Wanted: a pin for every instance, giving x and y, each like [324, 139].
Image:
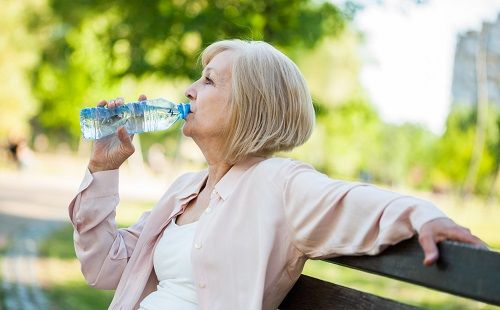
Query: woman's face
[209, 98]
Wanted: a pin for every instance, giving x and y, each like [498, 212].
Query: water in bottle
[136, 117]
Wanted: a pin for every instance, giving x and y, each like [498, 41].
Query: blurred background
[407, 96]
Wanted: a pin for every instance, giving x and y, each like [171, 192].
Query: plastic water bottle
[136, 117]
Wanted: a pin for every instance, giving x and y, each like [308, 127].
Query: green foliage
[166, 35]
[493, 140]
[93, 47]
[332, 69]
[344, 140]
[348, 128]
[85, 51]
[59, 244]
[352, 129]
[77, 295]
[18, 53]
[405, 156]
[454, 150]
[351, 141]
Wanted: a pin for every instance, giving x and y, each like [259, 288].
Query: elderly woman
[237, 235]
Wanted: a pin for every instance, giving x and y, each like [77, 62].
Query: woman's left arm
[329, 217]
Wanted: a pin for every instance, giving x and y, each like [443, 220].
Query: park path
[30, 208]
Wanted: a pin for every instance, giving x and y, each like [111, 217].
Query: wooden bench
[461, 270]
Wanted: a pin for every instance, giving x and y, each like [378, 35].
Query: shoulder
[279, 170]
[282, 165]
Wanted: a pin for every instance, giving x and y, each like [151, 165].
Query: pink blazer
[265, 218]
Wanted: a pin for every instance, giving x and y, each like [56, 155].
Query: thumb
[126, 140]
[431, 253]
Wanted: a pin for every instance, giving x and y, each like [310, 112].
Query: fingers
[429, 246]
[442, 229]
[464, 235]
[481, 244]
[429, 243]
[111, 103]
[123, 135]
[116, 102]
[126, 141]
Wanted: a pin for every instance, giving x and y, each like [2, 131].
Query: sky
[408, 53]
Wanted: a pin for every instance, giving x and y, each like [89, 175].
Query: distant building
[464, 88]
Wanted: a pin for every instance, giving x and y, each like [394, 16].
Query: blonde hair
[270, 105]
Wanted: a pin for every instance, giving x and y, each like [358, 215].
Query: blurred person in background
[237, 234]
[20, 152]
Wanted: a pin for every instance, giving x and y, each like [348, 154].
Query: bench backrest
[461, 270]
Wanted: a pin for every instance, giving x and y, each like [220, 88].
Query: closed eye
[208, 81]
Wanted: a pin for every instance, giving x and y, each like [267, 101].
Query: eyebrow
[209, 70]
[214, 75]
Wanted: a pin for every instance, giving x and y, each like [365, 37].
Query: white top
[172, 264]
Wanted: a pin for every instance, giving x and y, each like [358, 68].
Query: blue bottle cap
[184, 109]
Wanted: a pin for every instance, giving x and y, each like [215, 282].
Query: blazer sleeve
[102, 248]
[330, 218]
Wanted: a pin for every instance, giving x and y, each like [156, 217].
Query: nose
[190, 92]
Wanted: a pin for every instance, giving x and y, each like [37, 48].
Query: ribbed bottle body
[136, 117]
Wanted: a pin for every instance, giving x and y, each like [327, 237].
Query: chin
[186, 131]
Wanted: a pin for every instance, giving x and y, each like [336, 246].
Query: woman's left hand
[442, 229]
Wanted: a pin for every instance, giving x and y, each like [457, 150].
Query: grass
[76, 295]
[61, 278]
[71, 291]
[59, 244]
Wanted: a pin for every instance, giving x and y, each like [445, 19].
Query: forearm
[99, 245]
[381, 218]
[331, 217]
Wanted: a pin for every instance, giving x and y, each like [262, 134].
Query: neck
[215, 172]
[217, 166]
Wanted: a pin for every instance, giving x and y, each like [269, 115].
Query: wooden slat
[314, 294]
[461, 270]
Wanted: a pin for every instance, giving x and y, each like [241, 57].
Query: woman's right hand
[110, 152]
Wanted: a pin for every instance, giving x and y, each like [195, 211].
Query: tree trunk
[495, 188]
[482, 115]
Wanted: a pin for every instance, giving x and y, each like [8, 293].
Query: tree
[406, 155]
[455, 148]
[18, 54]
[482, 116]
[494, 191]
[166, 36]
[344, 140]
[94, 45]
